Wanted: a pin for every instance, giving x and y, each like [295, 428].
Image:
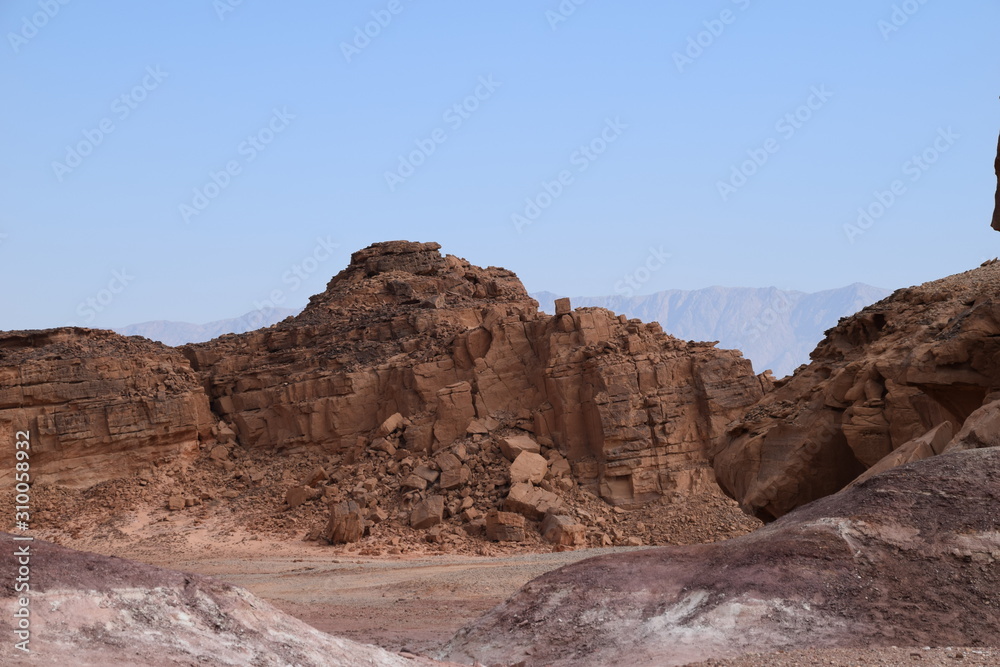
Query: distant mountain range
[775, 329]
[179, 333]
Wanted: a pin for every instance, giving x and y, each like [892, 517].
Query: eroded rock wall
[405, 329]
[888, 385]
[97, 405]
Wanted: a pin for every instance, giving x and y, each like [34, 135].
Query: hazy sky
[186, 160]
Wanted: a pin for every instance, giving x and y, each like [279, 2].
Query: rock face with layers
[910, 557]
[97, 405]
[888, 385]
[451, 347]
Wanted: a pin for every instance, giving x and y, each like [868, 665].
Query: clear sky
[186, 160]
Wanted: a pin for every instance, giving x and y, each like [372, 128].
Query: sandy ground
[403, 603]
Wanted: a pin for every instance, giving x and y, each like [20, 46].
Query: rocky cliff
[452, 348]
[97, 405]
[455, 348]
[909, 377]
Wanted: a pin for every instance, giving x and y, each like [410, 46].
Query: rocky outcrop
[888, 385]
[996, 207]
[97, 405]
[88, 610]
[910, 557]
[454, 349]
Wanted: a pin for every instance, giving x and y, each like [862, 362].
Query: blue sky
[188, 160]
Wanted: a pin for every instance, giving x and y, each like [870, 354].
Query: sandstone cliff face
[451, 347]
[97, 405]
[895, 383]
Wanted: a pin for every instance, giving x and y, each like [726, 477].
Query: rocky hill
[417, 393]
[775, 329]
[455, 349]
[909, 377]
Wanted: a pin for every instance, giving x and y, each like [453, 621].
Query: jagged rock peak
[413, 273]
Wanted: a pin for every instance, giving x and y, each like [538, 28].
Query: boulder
[504, 526]
[455, 478]
[346, 524]
[390, 425]
[532, 502]
[563, 530]
[512, 446]
[299, 495]
[428, 512]
[528, 467]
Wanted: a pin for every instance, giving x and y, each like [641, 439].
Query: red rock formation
[908, 558]
[996, 207]
[97, 405]
[405, 329]
[888, 385]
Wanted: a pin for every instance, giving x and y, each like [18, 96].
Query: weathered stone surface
[156, 617]
[428, 512]
[513, 445]
[176, 502]
[907, 558]
[98, 405]
[504, 526]
[563, 530]
[455, 478]
[528, 467]
[346, 524]
[878, 382]
[530, 501]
